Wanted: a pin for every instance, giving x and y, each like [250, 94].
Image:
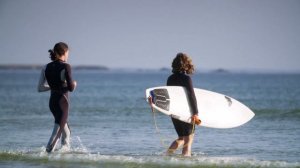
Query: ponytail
[52, 55]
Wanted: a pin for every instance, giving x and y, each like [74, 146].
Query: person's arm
[43, 84]
[191, 95]
[70, 83]
[192, 100]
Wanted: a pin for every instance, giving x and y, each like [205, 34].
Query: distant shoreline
[12, 67]
[37, 67]
[92, 67]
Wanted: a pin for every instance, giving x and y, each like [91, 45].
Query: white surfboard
[215, 110]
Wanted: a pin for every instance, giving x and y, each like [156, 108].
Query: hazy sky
[231, 34]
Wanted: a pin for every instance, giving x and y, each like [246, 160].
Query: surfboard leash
[162, 139]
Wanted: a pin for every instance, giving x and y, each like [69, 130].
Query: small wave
[81, 158]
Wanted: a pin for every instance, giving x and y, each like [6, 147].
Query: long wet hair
[182, 63]
[58, 50]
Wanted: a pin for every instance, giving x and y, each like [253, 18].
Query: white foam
[81, 155]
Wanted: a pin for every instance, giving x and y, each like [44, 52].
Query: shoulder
[66, 65]
[49, 65]
[171, 77]
[186, 78]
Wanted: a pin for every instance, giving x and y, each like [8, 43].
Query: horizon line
[161, 69]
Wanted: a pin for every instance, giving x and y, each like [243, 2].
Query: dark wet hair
[59, 49]
[182, 63]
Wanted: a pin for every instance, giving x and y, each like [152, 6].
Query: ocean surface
[112, 125]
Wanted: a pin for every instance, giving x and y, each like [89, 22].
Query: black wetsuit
[59, 78]
[181, 79]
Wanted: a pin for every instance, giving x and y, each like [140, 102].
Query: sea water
[113, 126]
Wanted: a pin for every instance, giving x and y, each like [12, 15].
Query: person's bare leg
[187, 146]
[53, 139]
[65, 137]
[175, 145]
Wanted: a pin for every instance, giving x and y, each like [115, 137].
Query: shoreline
[38, 67]
[221, 71]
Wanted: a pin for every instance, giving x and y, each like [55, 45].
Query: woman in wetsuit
[56, 76]
[182, 65]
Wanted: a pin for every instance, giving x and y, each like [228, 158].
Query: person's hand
[150, 103]
[196, 120]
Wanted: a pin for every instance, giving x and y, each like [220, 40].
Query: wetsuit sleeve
[43, 84]
[191, 95]
[70, 82]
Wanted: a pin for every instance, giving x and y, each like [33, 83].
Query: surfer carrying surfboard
[56, 76]
[182, 67]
